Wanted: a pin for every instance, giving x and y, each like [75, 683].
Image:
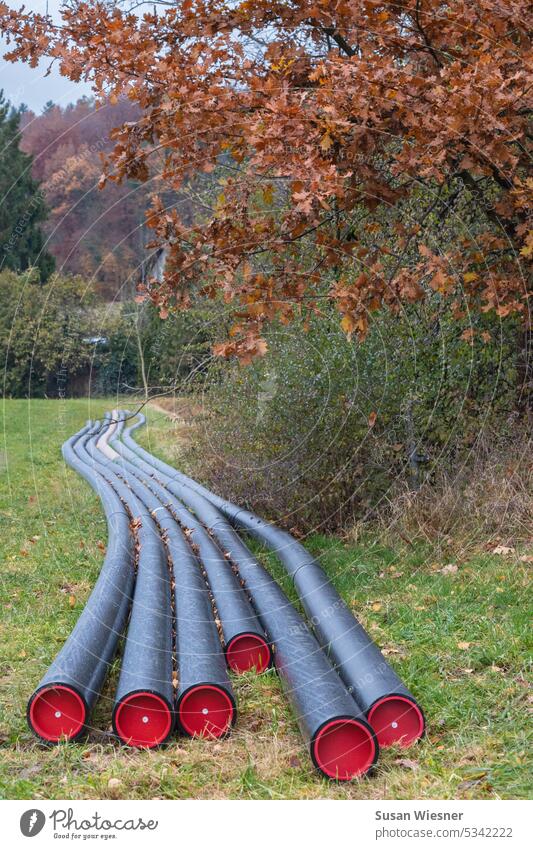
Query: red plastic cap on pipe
[206, 711]
[57, 712]
[248, 651]
[143, 720]
[396, 720]
[344, 749]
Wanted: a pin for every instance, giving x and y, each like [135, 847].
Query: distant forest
[97, 234]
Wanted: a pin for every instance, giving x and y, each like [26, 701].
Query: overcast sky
[23, 84]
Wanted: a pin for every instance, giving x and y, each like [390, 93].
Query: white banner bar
[266, 825]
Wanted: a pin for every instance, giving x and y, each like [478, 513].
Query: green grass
[458, 639]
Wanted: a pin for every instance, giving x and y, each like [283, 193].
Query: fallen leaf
[406, 763]
[463, 646]
[114, 785]
[376, 605]
[526, 558]
[503, 550]
[72, 600]
[31, 770]
[449, 569]
[471, 782]
[372, 419]
[295, 762]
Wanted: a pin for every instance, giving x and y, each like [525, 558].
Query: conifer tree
[22, 205]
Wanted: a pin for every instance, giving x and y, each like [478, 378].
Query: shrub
[322, 432]
[43, 328]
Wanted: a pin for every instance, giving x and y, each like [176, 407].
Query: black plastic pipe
[63, 701]
[341, 742]
[205, 704]
[245, 645]
[143, 714]
[390, 707]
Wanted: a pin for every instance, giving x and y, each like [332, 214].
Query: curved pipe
[63, 701]
[205, 704]
[245, 644]
[143, 712]
[342, 744]
[391, 708]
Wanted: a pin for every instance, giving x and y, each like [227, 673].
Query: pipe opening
[57, 712]
[246, 652]
[344, 749]
[143, 720]
[396, 720]
[206, 711]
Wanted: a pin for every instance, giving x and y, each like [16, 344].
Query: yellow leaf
[348, 324]
[268, 194]
[470, 276]
[326, 141]
[376, 606]
[463, 646]
[72, 600]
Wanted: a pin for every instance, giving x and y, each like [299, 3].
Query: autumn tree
[341, 128]
[100, 235]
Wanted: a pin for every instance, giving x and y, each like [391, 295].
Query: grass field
[455, 629]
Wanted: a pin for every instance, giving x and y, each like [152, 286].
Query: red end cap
[248, 651]
[143, 720]
[343, 749]
[396, 721]
[206, 711]
[57, 712]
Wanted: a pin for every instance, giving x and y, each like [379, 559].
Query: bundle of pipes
[175, 554]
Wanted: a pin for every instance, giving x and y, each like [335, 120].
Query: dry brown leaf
[463, 646]
[407, 763]
[503, 550]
